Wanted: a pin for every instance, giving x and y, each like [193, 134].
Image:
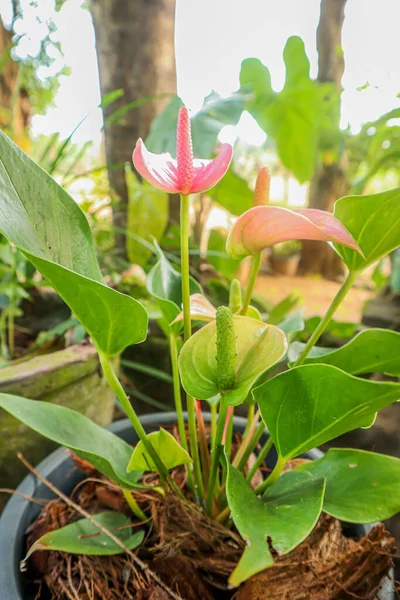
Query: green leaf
[206, 124]
[164, 283]
[214, 115]
[147, 216]
[171, 452]
[83, 537]
[312, 404]
[217, 256]
[292, 117]
[361, 487]
[105, 451]
[258, 347]
[233, 193]
[162, 136]
[282, 519]
[282, 310]
[374, 222]
[41, 219]
[370, 351]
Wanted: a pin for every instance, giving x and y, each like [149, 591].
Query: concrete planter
[70, 377]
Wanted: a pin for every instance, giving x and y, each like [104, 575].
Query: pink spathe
[264, 226]
[184, 175]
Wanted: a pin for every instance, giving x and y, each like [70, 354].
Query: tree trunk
[15, 106]
[329, 181]
[135, 50]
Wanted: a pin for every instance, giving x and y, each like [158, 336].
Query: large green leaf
[361, 487]
[164, 283]
[206, 124]
[147, 217]
[312, 404]
[370, 351]
[83, 537]
[282, 519]
[233, 193]
[374, 222]
[258, 347]
[105, 451]
[291, 117]
[41, 219]
[166, 446]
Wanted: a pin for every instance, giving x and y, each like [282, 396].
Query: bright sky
[214, 36]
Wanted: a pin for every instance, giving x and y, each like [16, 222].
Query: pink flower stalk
[228, 418]
[184, 175]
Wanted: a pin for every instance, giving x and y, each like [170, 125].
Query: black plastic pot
[61, 471]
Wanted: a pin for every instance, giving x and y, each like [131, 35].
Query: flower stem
[203, 444]
[214, 414]
[187, 327]
[184, 217]
[117, 388]
[338, 299]
[173, 348]
[255, 265]
[133, 505]
[273, 477]
[250, 416]
[251, 445]
[247, 439]
[216, 454]
[261, 456]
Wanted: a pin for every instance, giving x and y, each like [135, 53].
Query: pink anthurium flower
[185, 174]
[264, 226]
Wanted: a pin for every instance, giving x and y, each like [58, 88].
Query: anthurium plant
[230, 360]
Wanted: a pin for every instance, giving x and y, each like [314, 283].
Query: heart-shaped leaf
[164, 283]
[258, 347]
[147, 217]
[282, 519]
[263, 226]
[291, 118]
[166, 446]
[105, 451]
[370, 351]
[312, 404]
[84, 537]
[374, 222]
[41, 219]
[361, 487]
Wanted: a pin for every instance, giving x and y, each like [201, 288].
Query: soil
[193, 555]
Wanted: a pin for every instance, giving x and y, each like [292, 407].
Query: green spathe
[258, 346]
[166, 446]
